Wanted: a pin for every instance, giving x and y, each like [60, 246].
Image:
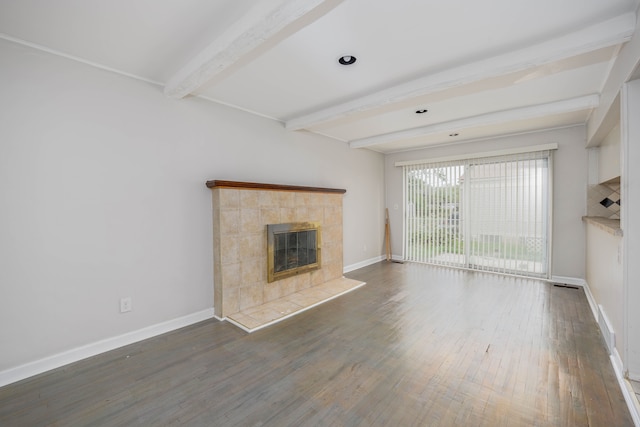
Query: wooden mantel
[274, 187]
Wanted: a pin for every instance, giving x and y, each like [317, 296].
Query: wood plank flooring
[417, 346]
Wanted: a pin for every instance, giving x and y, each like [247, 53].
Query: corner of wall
[361, 264]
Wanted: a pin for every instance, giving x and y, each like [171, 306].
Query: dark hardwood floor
[416, 346]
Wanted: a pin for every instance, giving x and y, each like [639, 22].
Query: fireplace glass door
[293, 248]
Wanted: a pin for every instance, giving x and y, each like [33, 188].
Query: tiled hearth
[241, 213]
[254, 318]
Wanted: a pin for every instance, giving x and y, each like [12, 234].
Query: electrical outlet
[125, 304]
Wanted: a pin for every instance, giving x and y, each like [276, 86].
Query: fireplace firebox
[293, 248]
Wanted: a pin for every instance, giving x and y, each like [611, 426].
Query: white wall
[569, 199]
[609, 156]
[604, 277]
[629, 220]
[103, 196]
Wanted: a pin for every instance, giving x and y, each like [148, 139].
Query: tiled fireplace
[242, 213]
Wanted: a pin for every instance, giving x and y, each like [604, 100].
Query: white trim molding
[259, 29]
[614, 31]
[627, 391]
[74, 355]
[587, 102]
[614, 357]
[361, 264]
[583, 284]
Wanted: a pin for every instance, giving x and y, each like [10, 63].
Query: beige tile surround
[240, 216]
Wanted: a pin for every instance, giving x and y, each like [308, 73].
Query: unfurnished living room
[319, 213]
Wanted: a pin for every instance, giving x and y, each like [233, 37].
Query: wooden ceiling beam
[262, 27]
[524, 113]
[609, 33]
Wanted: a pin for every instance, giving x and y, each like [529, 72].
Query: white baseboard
[616, 361]
[614, 357]
[595, 310]
[607, 330]
[583, 284]
[592, 301]
[361, 264]
[627, 391]
[57, 360]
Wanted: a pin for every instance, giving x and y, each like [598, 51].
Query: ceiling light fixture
[347, 60]
[424, 110]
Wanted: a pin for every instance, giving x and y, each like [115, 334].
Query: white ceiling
[481, 68]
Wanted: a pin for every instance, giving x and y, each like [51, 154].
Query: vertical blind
[489, 213]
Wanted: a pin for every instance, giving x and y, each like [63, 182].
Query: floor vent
[563, 285]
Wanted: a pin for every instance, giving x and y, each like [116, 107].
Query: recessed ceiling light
[454, 134]
[347, 60]
[424, 110]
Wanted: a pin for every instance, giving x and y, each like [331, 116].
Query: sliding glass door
[488, 213]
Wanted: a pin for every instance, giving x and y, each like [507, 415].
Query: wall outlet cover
[125, 304]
